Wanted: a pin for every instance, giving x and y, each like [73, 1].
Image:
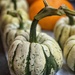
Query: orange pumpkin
[47, 23]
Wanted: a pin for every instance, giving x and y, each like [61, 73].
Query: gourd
[51, 20]
[14, 29]
[6, 19]
[37, 55]
[3, 5]
[21, 4]
[68, 52]
[65, 27]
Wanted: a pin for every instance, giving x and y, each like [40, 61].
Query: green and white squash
[37, 55]
[5, 2]
[20, 4]
[41, 58]
[69, 52]
[14, 29]
[7, 18]
[3, 5]
[65, 27]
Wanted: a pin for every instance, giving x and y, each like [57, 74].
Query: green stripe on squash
[50, 64]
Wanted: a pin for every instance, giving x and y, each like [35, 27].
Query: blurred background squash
[47, 23]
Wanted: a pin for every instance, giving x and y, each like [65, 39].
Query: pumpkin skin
[12, 30]
[69, 50]
[62, 30]
[45, 56]
[47, 23]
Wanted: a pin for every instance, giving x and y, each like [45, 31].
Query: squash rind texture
[69, 50]
[12, 30]
[62, 30]
[43, 57]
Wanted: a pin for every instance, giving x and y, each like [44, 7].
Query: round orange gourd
[47, 23]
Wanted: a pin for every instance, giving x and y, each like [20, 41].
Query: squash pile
[64, 32]
[65, 27]
[29, 50]
[9, 23]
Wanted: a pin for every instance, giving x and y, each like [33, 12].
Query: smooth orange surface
[47, 23]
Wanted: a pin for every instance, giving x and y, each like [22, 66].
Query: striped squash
[65, 27]
[14, 29]
[69, 52]
[7, 18]
[62, 30]
[4, 4]
[21, 4]
[39, 54]
[41, 58]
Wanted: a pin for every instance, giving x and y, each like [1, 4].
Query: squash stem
[33, 31]
[15, 5]
[71, 20]
[70, 13]
[21, 26]
[46, 11]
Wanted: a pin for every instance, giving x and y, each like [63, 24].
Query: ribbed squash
[4, 4]
[21, 4]
[69, 52]
[6, 19]
[14, 29]
[43, 57]
[37, 55]
[65, 27]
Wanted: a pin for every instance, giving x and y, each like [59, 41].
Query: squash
[4, 4]
[37, 55]
[6, 19]
[51, 20]
[12, 30]
[21, 4]
[65, 27]
[69, 52]
[46, 61]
